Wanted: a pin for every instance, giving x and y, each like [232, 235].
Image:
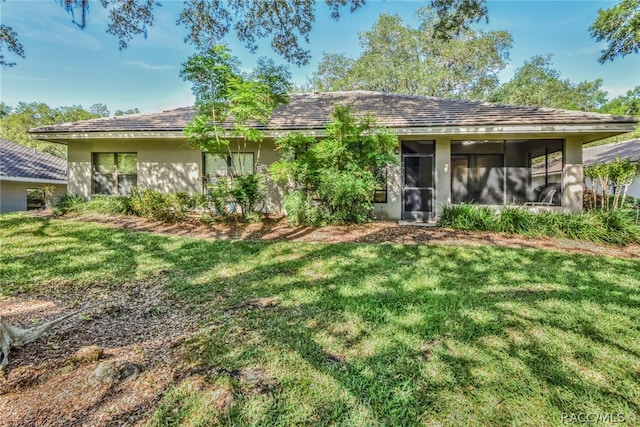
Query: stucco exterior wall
[170, 165]
[391, 209]
[166, 165]
[572, 176]
[13, 195]
[443, 173]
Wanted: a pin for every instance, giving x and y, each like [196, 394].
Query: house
[450, 151]
[23, 171]
[599, 154]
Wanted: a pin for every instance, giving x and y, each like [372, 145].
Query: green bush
[347, 196]
[301, 209]
[468, 217]
[617, 227]
[517, 221]
[101, 204]
[109, 205]
[153, 204]
[69, 203]
[239, 198]
[334, 179]
[248, 191]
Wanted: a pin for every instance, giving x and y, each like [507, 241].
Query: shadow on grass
[380, 334]
[390, 382]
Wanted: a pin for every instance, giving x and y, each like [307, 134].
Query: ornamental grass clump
[617, 227]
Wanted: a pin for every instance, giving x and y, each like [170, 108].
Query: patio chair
[545, 199]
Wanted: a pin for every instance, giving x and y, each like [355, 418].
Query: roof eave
[32, 180]
[599, 130]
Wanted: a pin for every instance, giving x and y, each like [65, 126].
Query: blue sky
[69, 66]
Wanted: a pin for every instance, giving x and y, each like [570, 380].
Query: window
[35, 198]
[236, 164]
[380, 192]
[114, 173]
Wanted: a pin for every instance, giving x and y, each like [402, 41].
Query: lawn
[366, 334]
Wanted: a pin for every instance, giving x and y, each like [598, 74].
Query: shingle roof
[18, 161]
[599, 154]
[311, 111]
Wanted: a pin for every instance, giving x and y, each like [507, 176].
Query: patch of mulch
[276, 228]
[109, 365]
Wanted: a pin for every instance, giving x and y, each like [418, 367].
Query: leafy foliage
[24, 116]
[229, 103]
[537, 84]
[285, 23]
[618, 175]
[397, 58]
[617, 227]
[333, 179]
[126, 112]
[619, 27]
[9, 41]
[168, 207]
[222, 91]
[455, 16]
[106, 205]
[624, 105]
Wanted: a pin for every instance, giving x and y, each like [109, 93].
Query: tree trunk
[14, 337]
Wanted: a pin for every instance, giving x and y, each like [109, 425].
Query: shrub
[334, 179]
[69, 203]
[614, 227]
[301, 209]
[468, 217]
[101, 204]
[347, 196]
[153, 204]
[517, 221]
[248, 191]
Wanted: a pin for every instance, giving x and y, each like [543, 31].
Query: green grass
[368, 334]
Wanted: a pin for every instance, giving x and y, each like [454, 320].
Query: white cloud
[63, 34]
[145, 66]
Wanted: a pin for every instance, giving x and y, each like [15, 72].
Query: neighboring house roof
[599, 154]
[307, 111]
[20, 163]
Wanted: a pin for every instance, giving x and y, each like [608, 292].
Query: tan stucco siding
[443, 174]
[168, 165]
[268, 156]
[391, 209]
[572, 176]
[13, 195]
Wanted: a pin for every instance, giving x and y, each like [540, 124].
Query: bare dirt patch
[108, 366]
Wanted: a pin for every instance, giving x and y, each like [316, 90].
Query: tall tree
[125, 112]
[9, 41]
[400, 59]
[619, 27]
[624, 105]
[224, 94]
[228, 104]
[456, 16]
[538, 84]
[24, 116]
[285, 23]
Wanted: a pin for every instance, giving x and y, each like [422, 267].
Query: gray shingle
[310, 111]
[18, 161]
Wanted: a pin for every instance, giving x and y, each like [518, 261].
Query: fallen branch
[15, 337]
